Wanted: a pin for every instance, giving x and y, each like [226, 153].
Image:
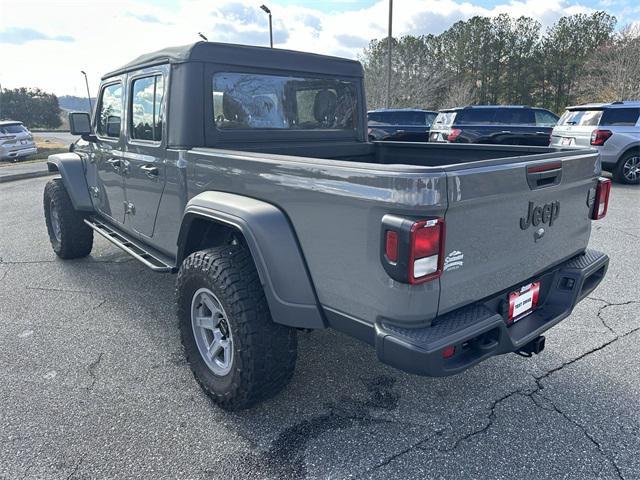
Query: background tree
[612, 72]
[490, 60]
[33, 107]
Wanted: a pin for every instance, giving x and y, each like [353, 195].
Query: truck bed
[400, 153]
[335, 196]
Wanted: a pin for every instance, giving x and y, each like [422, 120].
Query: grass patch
[47, 147]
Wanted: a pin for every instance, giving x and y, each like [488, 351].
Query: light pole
[266, 9]
[389, 38]
[86, 81]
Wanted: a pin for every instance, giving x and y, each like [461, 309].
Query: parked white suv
[16, 142]
[611, 128]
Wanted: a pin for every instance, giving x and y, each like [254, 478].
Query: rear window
[581, 118]
[443, 119]
[399, 118]
[620, 116]
[253, 101]
[545, 118]
[11, 129]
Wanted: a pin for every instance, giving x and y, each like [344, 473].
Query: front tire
[70, 237]
[238, 355]
[627, 170]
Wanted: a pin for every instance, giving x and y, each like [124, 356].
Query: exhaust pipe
[534, 346]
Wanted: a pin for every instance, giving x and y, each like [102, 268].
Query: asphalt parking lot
[93, 383]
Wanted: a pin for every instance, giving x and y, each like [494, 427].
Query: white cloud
[108, 34]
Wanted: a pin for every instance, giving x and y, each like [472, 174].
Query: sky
[46, 44]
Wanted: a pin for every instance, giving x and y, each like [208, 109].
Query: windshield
[581, 118]
[250, 101]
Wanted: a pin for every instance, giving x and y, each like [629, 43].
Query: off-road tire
[618, 171]
[76, 238]
[264, 352]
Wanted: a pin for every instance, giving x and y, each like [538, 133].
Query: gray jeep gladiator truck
[248, 173]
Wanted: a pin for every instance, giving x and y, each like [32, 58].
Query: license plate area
[567, 141]
[523, 301]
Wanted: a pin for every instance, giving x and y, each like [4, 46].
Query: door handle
[115, 163]
[151, 170]
[505, 131]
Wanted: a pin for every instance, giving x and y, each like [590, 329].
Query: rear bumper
[479, 331]
[7, 154]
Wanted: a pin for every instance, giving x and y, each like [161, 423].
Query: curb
[25, 175]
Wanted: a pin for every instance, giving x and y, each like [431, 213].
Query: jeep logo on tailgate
[545, 214]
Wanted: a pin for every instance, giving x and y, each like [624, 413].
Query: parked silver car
[16, 142]
[611, 128]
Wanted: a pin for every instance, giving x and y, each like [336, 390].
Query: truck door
[144, 157]
[108, 193]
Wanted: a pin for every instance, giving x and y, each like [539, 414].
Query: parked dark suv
[400, 125]
[495, 124]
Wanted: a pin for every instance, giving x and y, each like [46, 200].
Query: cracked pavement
[93, 383]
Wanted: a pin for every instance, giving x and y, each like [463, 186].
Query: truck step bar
[154, 260]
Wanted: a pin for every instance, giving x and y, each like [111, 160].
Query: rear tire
[220, 299]
[627, 170]
[70, 237]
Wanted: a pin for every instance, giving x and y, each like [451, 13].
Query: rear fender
[71, 170]
[629, 148]
[273, 244]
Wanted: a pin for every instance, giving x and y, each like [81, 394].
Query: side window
[477, 116]
[515, 116]
[545, 119]
[620, 116]
[146, 108]
[110, 113]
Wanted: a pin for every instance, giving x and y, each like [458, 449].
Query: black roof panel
[244, 55]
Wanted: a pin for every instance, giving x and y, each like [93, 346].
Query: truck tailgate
[506, 223]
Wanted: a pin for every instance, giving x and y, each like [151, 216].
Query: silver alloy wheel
[211, 332]
[631, 169]
[55, 221]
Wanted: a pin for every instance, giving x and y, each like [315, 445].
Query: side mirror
[113, 126]
[79, 123]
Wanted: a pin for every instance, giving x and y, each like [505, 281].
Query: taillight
[424, 260]
[598, 137]
[601, 203]
[453, 134]
[412, 251]
[391, 245]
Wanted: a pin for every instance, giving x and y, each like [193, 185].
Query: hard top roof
[244, 55]
[9, 122]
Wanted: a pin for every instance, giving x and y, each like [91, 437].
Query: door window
[110, 111]
[146, 108]
[514, 116]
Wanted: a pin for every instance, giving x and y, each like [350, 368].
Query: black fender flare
[71, 169]
[275, 249]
